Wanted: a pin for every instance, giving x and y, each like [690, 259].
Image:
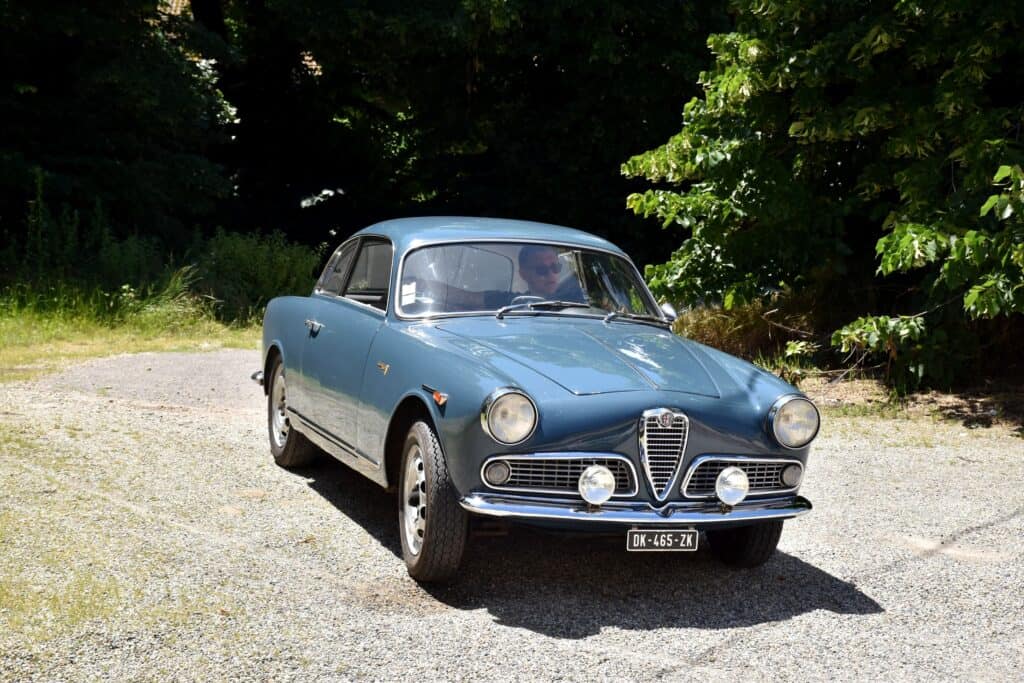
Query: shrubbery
[865, 154]
[243, 272]
[71, 265]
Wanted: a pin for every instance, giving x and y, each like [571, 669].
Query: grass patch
[33, 345]
[41, 612]
[43, 331]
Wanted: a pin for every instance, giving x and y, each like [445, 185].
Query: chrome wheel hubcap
[414, 500]
[279, 425]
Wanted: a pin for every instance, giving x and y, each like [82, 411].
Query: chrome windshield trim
[700, 460]
[512, 507]
[561, 456]
[508, 240]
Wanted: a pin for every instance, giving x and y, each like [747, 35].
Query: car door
[342, 326]
[303, 395]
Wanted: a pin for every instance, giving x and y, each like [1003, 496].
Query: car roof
[409, 233]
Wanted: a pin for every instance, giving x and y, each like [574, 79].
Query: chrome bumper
[257, 377]
[684, 514]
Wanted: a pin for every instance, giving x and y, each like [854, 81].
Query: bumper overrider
[580, 514]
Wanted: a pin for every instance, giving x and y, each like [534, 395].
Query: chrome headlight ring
[494, 401]
[779, 406]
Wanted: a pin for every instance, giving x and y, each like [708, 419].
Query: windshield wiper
[549, 305]
[640, 317]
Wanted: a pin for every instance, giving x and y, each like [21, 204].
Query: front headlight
[509, 416]
[794, 421]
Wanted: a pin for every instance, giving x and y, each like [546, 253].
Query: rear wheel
[746, 546]
[289, 448]
[432, 524]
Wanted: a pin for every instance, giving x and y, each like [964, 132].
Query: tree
[849, 149]
[361, 111]
[108, 106]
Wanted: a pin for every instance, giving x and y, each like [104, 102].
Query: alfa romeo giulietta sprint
[523, 371]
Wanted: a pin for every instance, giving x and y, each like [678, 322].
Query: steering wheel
[525, 299]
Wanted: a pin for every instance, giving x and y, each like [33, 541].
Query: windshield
[482, 277]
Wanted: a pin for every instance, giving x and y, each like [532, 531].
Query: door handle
[313, 326]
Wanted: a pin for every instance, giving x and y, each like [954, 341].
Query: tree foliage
[867, 151]
[316, 118]
[483, 107]
[108, 103]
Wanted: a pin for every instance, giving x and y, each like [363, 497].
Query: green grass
[42, 330]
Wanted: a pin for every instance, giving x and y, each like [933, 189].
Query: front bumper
[575, 514]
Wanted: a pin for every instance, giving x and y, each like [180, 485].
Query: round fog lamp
[597, 484]
[791, 476]
[497, 473]
[732, 485]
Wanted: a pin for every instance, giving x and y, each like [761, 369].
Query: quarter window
[371, 275]
[333, 278]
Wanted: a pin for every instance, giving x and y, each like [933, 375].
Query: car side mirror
[669, 311]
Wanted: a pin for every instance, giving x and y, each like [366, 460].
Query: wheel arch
[273, 353]
[410, 408]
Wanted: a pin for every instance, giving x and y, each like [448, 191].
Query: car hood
[588, 356]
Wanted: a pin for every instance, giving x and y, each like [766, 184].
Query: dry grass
[760, 328]
[990, 406]
[57, 571]
[34, 344]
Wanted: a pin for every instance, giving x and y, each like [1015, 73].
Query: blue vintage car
[489, 368]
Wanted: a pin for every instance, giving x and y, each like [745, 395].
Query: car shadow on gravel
[572, 586]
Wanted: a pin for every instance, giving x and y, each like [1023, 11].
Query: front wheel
[746, 546]
[432, 524]
[289, 448]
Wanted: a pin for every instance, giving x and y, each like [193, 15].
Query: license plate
[640, 540]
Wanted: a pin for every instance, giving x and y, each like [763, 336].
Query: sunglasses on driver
[542, 270]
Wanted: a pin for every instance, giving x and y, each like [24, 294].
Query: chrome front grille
[764, 475]
[662, 442]
[562, 475]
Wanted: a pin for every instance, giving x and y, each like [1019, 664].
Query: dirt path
[146, 534]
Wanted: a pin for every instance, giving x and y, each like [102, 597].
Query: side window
[371, 275]
[333, 278]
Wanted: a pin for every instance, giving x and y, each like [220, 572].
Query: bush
[243, 272]
[758, 329]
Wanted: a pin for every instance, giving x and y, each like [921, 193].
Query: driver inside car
[540, 268]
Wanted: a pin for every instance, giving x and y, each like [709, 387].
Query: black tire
[441, 525]
[746, 546]
[289, 447]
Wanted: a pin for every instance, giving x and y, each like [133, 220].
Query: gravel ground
[145, 534]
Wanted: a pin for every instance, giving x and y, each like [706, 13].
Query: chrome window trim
[346, 300]
[701, 459]
[510, 240]
[485, 413]
[561, 456]
[359, 247]
[317, 289]
[781, 401]
[642, 432]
